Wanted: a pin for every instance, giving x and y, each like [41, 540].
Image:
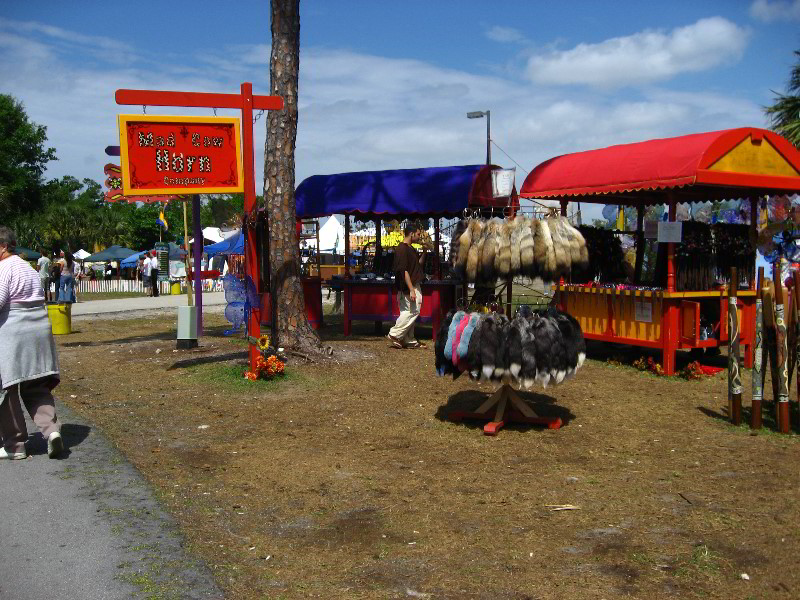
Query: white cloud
[775, 10]
[357, 112]
[643, 57]
[504, 34]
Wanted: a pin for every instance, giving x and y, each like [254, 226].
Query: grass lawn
[87, 296]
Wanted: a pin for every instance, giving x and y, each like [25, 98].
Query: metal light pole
[478, 114]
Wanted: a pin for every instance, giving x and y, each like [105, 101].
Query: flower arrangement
[265, 368]
[268, 365]
[693, 370]
[648, 364]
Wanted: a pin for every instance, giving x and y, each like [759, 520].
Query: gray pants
[38, 400]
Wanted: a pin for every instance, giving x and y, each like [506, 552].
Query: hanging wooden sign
[185, 155]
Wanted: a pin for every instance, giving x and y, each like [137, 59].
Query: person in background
[55, 277]
[28, 359]
[77, 273]
[407, 279]
[154, 273]
[66, 286]
[44, 274]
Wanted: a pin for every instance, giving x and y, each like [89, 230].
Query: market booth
[398, 194]
[744, 163]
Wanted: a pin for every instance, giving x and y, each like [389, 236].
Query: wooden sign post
[246, 102]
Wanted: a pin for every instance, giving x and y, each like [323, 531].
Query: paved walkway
[212, 300]
[88, 526]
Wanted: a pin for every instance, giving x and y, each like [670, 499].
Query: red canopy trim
[709, 159]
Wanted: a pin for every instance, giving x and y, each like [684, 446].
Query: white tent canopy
[215, 234]
[331, 237]
[81, 254]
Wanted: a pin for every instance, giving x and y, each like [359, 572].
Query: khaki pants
[403, 329]
[39, 402]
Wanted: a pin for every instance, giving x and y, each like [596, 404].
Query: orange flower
[260, 362]
[250, 375]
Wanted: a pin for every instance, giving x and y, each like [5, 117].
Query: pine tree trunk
[290, 325]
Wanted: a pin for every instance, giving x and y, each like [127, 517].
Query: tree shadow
[169, 335]
[205, 360]
[469, 400]
[73, 435]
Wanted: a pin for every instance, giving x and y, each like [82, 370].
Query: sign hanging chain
[215, 111]
[144, 109]
[257, 117]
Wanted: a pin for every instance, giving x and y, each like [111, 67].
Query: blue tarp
[435, 190]
[231, 245]
[175, 253]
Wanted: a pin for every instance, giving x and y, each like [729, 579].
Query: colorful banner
[187, 155]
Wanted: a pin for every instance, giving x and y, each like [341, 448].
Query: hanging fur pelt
[465, 241]
[489, 249]
[502, 259]
[455, 248]
[545, 347]
[475, 232]
[561, 246]
[526, 246]
[515, 236]
[543, 251]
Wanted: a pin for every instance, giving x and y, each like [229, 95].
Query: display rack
[510, 408]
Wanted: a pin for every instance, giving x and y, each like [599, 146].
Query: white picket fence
[129, 285]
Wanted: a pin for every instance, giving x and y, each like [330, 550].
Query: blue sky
[387, 84]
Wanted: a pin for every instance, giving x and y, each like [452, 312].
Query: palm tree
[784, 114]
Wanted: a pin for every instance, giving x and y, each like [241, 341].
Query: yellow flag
[621, 219]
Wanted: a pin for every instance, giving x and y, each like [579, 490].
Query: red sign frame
[180, 155]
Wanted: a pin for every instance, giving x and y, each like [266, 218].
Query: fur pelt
[475, 232]
[458, 262]
[474, 349]
[583, 261]
[561, 246]
[489, 249]
[515, 227]
[526, 246]
[439, 345]
[544, 252]
[490, 342]
[451, 331]
[568, 232]
[502, 259]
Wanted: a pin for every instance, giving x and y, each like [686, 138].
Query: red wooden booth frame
[668, 171]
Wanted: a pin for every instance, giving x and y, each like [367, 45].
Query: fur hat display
[545, 346]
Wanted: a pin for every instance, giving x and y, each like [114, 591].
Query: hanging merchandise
[605, 257]
[694, 265]
[545, 347]
[485, 250]
[732, 248]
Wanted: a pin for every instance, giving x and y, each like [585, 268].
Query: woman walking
[28, 360]
[66, 287]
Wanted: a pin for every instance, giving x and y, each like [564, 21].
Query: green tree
[23, 157]
[784, 114]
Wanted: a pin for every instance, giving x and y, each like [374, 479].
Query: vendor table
[376, 300]
[312, 291]
[665, 320]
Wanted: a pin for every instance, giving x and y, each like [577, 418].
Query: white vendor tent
[215, 234]
[331, 237]
[81, 254]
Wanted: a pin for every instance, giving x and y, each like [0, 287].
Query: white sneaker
[13, 455]
[55, 445]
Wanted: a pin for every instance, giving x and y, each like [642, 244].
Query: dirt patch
[346, 480]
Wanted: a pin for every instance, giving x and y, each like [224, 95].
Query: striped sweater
[19, 282]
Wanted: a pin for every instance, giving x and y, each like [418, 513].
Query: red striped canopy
[718, 164]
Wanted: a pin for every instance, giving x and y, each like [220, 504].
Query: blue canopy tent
[175, 253]
[114, 253]
[401, 192]
[231, 245]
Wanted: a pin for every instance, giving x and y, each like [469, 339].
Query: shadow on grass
[205, 360]
[769, 423]
[469, 400]
[169, 335]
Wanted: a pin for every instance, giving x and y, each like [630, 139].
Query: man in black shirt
[407, 279]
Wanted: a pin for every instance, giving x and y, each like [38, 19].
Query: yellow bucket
[60, 318]
[175, 288]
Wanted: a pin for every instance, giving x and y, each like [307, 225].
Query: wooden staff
[797, 330]
[734, 376]
[782, 404]
[758, 363]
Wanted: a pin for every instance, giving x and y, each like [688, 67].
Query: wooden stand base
[755, 415]
[783, 417]
[736, 406]
[510, 409]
